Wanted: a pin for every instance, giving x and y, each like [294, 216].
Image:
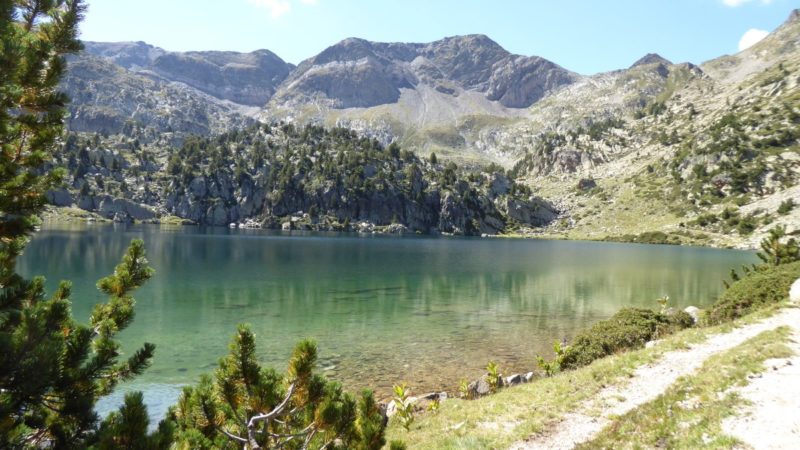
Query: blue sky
[587, 36]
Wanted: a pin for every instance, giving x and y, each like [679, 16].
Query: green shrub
[629, 328]
[765, 286]
[786, 207]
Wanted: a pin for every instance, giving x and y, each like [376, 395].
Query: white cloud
[751, 37]
[735, 3]
[309, 2]
[276, 8]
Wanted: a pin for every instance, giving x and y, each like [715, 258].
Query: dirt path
[772, 421]
[649, 381]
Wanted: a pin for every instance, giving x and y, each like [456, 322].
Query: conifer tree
[52, 369]
[775, 252]
[247, 406]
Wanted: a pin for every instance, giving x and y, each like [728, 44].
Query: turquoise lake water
[423, 310]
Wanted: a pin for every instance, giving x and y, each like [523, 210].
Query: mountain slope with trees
[280, 176]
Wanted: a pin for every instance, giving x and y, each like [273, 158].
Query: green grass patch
[689, 414]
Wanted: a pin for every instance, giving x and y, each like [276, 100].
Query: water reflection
[383, 309]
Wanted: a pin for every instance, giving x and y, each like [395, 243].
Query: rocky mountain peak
[794, 17]
[350, 49]
[359, 73]
[244, 78]
[130, 55]
[651, 58]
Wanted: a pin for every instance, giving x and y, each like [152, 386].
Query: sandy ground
[651, 380]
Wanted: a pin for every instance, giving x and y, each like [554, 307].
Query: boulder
[390, 409]
[87, 203]
[586, 184]
[138, 211]
[59, 197]
[478, 388]
[441, 396]
[528, 377]
[109, 207]
[532, 212]
[498, 184]
[396, 228]
[794, 292]
[694, 311]
[513, 380]
[122, 217]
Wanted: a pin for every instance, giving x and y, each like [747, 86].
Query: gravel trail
[649, 381]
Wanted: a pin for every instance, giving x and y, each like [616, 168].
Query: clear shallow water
[424, 310]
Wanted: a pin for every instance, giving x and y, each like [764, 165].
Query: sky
[586, 36]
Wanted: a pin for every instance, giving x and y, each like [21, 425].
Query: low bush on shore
[629, 328]
[762, 287]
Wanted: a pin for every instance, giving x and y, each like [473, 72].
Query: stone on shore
[693, 311]
[794, 292]
[479, 388]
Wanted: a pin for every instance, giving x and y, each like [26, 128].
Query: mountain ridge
[705, 153]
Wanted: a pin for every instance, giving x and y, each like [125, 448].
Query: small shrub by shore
[629, 328]
[765, 286]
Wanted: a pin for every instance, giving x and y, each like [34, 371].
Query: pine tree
[774, 252]
[52, 369]
[247, 406]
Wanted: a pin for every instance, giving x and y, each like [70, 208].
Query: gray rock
[535, 212]
[693, 311]
[528, 377]
[59, 197]
[586, 184]
[122, 217]
[478, 388]
[441, 396]
[513, 380]
[87, 203]
[109, 207]
[794, 291]
[396, 228]
[498, 185]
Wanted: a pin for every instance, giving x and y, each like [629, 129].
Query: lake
[423, 310]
